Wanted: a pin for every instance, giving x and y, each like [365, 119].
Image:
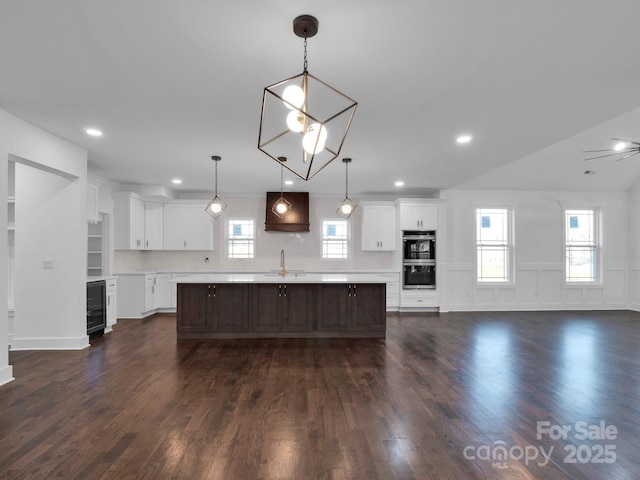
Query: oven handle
[413, 263]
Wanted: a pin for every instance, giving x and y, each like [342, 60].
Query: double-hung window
[241, 243]
[335, 239]
[581, 245]
[494, 245]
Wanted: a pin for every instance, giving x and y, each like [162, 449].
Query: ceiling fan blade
[623, 140]
[603, 156]
[597, 151]
[629, 155]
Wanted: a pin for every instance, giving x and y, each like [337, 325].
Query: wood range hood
[297, 220]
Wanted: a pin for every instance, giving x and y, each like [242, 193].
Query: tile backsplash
[303, 250]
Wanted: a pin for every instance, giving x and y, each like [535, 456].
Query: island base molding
[240, 336]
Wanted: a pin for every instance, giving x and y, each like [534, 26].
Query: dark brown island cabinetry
[204, 308]
[295, 310]
[352, 307]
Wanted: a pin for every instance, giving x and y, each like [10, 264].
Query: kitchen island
[270, 305]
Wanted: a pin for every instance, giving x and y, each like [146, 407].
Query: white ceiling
[172, 83]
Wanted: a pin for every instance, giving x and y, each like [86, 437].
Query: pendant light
[216, 206]
[347, 206]
[304, 118]
[282, 205]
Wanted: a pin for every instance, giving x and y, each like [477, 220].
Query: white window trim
[349, 242]
[598, 222]
[511, 247]
[228, 238]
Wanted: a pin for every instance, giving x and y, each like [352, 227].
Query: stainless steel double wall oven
[419, 259]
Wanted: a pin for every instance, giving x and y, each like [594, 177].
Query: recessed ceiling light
[176, 181]
[94, 132]
[399, 183]
[464, 139]
[288, 182]
[620, 146]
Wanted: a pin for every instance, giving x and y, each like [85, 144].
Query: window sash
[242, 243]
[493, 263]
[335, 239]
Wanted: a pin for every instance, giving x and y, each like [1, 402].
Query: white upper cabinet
[378, 227]
[153, 225]
[92, 203]
[418, 215]
[138, 224]
[128, 211]
[187, 227]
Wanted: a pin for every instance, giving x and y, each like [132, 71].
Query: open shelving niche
[95, 249]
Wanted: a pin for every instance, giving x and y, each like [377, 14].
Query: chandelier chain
[305, 51]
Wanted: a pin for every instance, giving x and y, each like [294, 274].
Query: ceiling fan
[624, 149]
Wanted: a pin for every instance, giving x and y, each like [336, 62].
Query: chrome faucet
[283, 272]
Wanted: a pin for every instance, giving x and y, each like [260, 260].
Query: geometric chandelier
[303, 118]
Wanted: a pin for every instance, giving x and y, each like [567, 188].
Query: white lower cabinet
[419, 300]
[112, 312]
[393, 290]
[141, 295]
[163, 294]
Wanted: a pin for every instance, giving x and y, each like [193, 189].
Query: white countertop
[276, 278]
[97, 279]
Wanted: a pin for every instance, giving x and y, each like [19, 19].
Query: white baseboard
[78, 343]
[6, 374]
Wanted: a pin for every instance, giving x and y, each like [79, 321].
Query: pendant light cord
[281, 180]
[346, 181]
[216, 180]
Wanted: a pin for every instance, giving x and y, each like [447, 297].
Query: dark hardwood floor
[444, 396]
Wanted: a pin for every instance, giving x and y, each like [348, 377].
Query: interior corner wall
[61, 235]
[538, 264]
[634, 247]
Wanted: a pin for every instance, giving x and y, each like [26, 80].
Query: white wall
[65, 166]
[47, 229]
[539, 255]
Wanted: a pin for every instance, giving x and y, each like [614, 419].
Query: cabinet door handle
[185, 244]
[354, 290]
[285, 290]
[209, 291]
[349, 290]
[214, 291]
[146, 243]
[279, 290]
